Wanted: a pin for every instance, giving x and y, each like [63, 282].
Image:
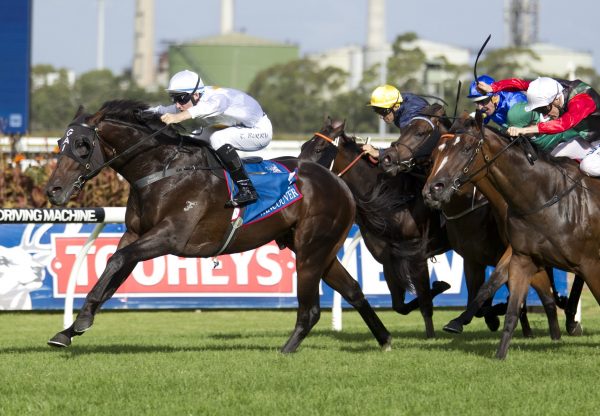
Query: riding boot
[246, 192]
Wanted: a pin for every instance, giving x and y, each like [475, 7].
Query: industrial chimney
[226, 16]
[143, 60]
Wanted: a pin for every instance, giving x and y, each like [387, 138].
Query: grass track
[227, 363]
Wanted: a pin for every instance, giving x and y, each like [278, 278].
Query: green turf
[227, 363]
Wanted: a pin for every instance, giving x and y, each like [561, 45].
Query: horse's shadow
[478, 342]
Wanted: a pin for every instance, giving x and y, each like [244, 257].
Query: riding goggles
[543, 110]
[382, 111]
[483, 102]
[182, 99]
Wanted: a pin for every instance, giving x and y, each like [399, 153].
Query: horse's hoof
[440, 286]
[387, 346]
[454, 327]
[82, 324]
[575, 330]
[59, 340]
[492, 322]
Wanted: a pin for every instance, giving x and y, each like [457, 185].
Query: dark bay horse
[182, 213]
[476, 231]
[552, 206]
[398, 229]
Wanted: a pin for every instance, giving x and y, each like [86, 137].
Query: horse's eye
[82, 148]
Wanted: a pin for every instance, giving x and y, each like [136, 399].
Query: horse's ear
[79, 112]
[479, 120]
[338, 124]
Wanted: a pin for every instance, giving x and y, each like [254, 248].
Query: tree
[296, 95]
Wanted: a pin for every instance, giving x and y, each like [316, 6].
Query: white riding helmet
[185, 81]
[542, 92]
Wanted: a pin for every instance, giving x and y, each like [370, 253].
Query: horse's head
[322, 147]
[455, 162]
[79, 153]
[91, 140]
[417, 141]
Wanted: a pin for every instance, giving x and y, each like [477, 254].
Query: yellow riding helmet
[385, 96]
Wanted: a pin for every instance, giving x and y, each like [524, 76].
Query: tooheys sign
[265, 271]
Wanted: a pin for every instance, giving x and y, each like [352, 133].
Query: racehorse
[398, 230]
[476, 230]
[176, 206]
[551, 206]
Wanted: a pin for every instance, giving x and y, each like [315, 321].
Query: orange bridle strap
[347, 168]
[322, 136]
[447, 136]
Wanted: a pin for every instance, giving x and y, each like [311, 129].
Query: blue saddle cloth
[275, 185]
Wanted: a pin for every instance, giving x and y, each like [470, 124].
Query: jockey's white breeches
[242, 138]
[587, 153]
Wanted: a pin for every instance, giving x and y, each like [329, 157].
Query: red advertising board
[265, 271]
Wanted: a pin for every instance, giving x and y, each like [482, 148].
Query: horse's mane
[432, 110]
[124, 110]
[133, 111]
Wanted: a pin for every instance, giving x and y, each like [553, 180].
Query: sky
[64, 31]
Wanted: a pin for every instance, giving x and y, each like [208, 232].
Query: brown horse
[550, 206]
[476, 231]
[397, 228]
[176, 204]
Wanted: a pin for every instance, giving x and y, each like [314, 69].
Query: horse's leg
[524, 320]
[118, 267]
[475, 278]
[498, 277]
[397, 293]
[542, 285]
[340, 280]
[423, 292]
[573, 327]
[521, 269]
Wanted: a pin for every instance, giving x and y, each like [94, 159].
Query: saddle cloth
[276, 188]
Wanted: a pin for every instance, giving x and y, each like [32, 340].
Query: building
[231, 59]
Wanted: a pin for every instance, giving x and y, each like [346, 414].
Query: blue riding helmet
[474, 94]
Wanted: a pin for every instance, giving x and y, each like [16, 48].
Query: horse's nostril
[53, 191]
[437, 187]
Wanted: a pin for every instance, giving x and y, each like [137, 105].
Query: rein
[458, 182]
[423, 151]
[335, 143]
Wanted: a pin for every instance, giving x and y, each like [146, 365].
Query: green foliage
[227, 363]
[505, 63]
[54, 100]
[404, 67]
[296, 95]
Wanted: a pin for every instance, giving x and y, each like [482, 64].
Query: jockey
[394, 107]
[565, 144]
[231, 120]
[494, 106]
[564, 105]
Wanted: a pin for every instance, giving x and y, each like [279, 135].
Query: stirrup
[244, 197]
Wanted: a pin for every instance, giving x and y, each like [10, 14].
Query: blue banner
[15, 44]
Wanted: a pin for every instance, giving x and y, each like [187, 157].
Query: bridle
[422, 151]
[465, 176]
[95, 160]
[336, 142]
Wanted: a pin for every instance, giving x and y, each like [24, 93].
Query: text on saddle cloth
[276, 188]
